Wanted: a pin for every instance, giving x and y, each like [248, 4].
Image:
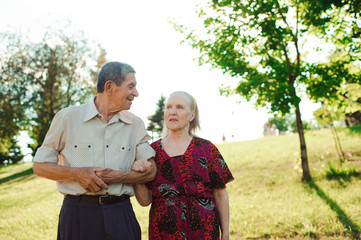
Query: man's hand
[106, 174]
[141, 165]
[87, 178]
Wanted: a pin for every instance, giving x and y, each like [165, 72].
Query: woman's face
[177, 113]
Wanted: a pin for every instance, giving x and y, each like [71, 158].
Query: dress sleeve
[219, 172]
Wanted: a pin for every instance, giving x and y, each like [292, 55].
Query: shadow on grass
[341, 179]
[18, 176]
[341, 215]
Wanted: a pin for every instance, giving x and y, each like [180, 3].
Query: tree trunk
[304, 160]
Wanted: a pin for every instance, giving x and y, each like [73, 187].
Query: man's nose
[136, 93]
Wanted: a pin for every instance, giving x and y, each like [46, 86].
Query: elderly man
[90, 151]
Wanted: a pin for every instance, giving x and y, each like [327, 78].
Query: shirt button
[75, 146]
[122, 148]
[107, 146]
[89, 146]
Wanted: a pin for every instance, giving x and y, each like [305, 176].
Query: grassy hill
[268, 200]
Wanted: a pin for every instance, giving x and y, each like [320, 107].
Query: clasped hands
[95, 179]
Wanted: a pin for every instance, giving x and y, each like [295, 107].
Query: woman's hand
[141, 165]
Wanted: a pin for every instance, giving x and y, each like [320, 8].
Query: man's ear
[108, 87]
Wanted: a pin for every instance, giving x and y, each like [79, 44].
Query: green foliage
[156, 120]
[257, 43]
[337, 84]
[344, 170]
[10, 152]
[40, 78]
[13, 99]
[335, 20]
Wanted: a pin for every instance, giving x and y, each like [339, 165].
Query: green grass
[268, 200]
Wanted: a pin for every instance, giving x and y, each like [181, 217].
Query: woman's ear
[193, 116]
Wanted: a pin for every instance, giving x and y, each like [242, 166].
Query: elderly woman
[189, 197]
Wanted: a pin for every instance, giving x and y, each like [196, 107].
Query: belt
[101, 199]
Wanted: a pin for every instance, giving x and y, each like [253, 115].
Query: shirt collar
[124, 117]
[92, 111]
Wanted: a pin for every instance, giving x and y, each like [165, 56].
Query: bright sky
[137, 32]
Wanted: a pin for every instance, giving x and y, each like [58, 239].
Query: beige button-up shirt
[85, 139]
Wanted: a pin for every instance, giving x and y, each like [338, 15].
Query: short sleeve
[53, 143]
[218, 170]
[144, 150]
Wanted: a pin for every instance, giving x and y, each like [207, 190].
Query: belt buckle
[101, 197]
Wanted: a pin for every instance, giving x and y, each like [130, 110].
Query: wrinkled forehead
[179, 98]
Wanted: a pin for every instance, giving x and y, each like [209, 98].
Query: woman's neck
[176, 143]
[178, 136]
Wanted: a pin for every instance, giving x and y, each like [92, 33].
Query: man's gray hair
[114, 71]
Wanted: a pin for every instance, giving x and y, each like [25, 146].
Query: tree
[337, 85]
[337, 82]
[156, 120]
[13, 97]
[46, 76]
[259, 42]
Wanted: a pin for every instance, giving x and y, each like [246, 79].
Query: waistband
[100, 199]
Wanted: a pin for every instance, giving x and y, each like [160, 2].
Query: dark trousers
[81, 220]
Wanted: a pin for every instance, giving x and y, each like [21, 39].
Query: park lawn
[268, 200]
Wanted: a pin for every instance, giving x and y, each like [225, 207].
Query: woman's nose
[172, 111]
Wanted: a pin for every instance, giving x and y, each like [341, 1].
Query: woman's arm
[222, 202]
[110, 176]
[142, 194]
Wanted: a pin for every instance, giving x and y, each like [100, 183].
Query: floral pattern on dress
[183, 204]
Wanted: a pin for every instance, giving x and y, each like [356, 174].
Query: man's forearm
[53, 171]
[84, 176]
[130, 177]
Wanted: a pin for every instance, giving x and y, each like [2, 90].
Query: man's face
[123, 95]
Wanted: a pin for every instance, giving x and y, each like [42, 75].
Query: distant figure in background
[224, 138]
[189, 197]
[267, 129]
[274, 130]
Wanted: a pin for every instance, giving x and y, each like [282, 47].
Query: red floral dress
[183, 204]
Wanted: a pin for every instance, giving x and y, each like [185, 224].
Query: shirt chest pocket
[120, 157]
[82, 155]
